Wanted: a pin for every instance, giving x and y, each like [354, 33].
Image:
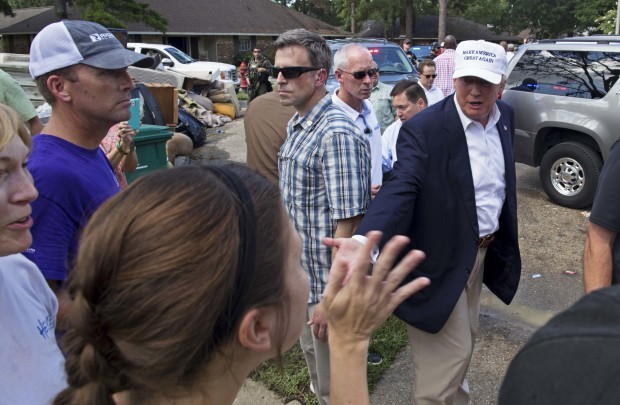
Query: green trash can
[150, 141]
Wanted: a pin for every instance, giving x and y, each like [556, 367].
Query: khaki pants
[441, 360]
[317, 358]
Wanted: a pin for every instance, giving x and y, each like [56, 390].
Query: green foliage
[115, 13]
[546, 19]
[606, 24]
[320, 9]
[292, 381]
[30, 3]
[494, 12]
[589, 11]
[6, 8]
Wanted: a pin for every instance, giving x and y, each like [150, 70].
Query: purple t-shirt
[72, 183]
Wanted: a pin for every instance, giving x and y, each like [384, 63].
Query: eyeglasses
[362, 73]
[429, 76]
[291, 72]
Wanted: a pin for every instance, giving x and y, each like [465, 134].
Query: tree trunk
[443, 14]
[352, 16]
[61, 9]
[409, 16]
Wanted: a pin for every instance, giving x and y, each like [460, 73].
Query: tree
[6, 8]
[115, 13]
[409, 18]
[550, 18]
[606, 23]
[443, 16]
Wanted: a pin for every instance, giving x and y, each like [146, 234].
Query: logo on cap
[480, 55]
[101, 36]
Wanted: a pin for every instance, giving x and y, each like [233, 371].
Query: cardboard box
[167, 97]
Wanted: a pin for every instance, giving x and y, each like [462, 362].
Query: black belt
[486, 241]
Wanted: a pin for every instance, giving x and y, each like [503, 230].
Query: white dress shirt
[486, 159]
[388, 143]
[433, 95]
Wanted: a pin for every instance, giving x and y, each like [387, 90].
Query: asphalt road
[551, 241]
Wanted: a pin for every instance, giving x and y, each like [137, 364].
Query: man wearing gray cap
[453, 193]
[81, 70]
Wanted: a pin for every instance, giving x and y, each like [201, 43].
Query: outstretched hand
[357, 303]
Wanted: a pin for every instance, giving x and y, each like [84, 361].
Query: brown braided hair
[156, 268]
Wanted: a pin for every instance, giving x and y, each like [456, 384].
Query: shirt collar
[312, 116]
[466, 121]
[351, 113]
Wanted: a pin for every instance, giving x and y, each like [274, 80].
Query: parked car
[565, 96]
[394, 65]
[421, 51]
[175, 59]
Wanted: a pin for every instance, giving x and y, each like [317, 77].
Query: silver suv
[566, 98]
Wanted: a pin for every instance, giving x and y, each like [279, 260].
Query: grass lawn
[294, 383]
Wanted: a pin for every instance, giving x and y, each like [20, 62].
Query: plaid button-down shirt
[444, 67]
[324, 169]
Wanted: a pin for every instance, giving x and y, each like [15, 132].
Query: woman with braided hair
[190, 278]
[32, 365]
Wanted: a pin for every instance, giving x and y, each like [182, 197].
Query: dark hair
[449, 42]
[319, 52]
[412, 90]
[163, 277]
[68, 73]
[425, 62]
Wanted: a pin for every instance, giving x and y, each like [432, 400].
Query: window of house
[245, 44]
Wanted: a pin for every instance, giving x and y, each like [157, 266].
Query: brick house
[215, 30]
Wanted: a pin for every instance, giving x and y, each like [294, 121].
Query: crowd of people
[354, 205]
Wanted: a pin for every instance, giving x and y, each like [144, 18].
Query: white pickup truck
[176, 60]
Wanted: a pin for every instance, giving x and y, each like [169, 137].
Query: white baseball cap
[482, 59]
[69, 42]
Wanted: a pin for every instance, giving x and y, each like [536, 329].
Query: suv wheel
[569, 174]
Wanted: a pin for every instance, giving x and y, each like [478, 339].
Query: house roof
[187, 17]
[27, 20]
[426, 28]
[236, 17]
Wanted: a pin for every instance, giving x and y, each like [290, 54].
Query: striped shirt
[324, 169]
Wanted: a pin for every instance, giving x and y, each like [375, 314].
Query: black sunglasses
[429, 76]
[362, 73]
[291, 72]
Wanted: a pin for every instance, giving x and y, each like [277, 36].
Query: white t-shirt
[32, 370]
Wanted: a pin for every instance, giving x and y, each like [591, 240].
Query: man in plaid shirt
[324, 169]
[444, 67]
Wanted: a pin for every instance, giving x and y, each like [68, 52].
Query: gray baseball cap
[70, 42]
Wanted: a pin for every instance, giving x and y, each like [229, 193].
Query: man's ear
[57, 86]
[421, 104]
[321, 77]
[257, 329]
[502, 85]
[338, 75]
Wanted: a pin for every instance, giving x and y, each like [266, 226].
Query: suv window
[389, 60]
[581, 74]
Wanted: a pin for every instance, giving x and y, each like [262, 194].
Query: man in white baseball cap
[81, 70]
[453, 193]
